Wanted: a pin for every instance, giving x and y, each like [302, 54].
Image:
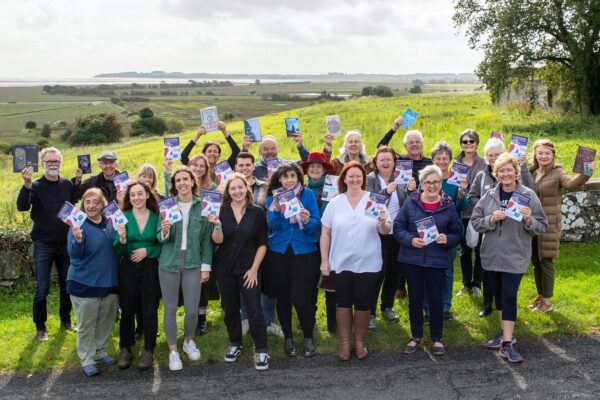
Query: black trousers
[471, 272]
[139, 289]
[355, 289]
[231, 288]
[389, 276]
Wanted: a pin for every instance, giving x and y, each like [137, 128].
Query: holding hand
[328, 139]
[442, 239]
[223, 128]
[77, 234]
[391, 188]
[298, 138]
[397, 123]
[522, 160]
[120, 196]
[498, 215]
[201, 131]
[122, 234]
[246, 143]
[168, 164]
[418, 243]
[78, 175]
[526, 211]
[304, 215]
[27, 173]
[213, 219]
[166, 227]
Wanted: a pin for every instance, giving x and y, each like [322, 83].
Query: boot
[124, 358]
[361, 327]
[146, 360]
[344, 327]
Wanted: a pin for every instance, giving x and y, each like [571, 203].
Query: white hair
[493, 143]
[428, 170]
[411, 133]
[265, 139]
[50, 150]
[363, 151]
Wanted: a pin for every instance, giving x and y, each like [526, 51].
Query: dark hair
[195, 189]
[281, 171]
[244, 154]
[208, 144]
[349, 165]
[151, 202]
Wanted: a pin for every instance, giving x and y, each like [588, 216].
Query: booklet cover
[272, 166]
[211, 203]
[330, 188]
[71, 215]
[458, 171]
[375, 204]
[427, 229]
[121, 181]
[169, 210]
[114, 215]
[333, 125]
[25, 155]
[292, 126]
[497, 135]
[252, 129]
[514, 205]
[289, 203]
[222, 171]
[403, 172]
[584, 156]
[172, 148]
[518, 145]
[84, 163]
[408, 118]
[210, 119]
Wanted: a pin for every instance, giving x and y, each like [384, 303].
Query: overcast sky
[67, 38]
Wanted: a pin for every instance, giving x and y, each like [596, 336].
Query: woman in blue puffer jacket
[424, 254]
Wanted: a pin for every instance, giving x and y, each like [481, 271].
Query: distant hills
[332, 76]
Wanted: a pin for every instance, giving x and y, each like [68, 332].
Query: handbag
[471, 235]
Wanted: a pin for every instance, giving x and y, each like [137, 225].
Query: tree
[30, 125]
[46, 131]
[146, 113]
[97, 129]
[415, 89]
[519, 38]
[148, 124]
[174, 125]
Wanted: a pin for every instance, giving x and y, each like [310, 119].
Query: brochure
[289, 203]
[252, 129]
[71, 215]
[272, 166]
[210, 119]
[292, 126]
[84, 163]
[333, 125]
[408, 118]
[211, 203]
[172, 148]
[121, 181]
[518, 146]
[25, 155]
[513, 208]
[584, 156]
[496, 135]
[427, 229]
[458, 171]
[222, 171]
[169, 210]
[403, 172]
[330, 188]
[375, 205]
[114, 215]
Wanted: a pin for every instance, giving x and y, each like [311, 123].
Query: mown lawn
[576, 311]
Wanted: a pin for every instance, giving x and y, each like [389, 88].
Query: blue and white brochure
[408, 118]
[458, 172]
[114, 215]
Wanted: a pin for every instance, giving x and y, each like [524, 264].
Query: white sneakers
[190, 349]
[174, 361]
[275, 330]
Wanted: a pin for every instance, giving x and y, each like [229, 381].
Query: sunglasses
[468, 141]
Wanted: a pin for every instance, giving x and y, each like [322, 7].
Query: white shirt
[185, 211]
[393, 206]
[355, 244]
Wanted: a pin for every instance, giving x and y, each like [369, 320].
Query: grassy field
[575, 312]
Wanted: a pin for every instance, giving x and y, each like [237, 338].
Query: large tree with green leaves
[520, 37]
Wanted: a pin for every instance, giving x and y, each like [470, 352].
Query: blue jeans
[44, 255]
[448, 285]
[268, 305]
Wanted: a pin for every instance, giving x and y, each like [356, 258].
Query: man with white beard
[44, 198]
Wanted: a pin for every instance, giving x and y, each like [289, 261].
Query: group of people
[260, 263]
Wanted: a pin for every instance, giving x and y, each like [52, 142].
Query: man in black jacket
[44, 198]
[107, 160]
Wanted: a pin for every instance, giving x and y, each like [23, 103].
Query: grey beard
[51, 172]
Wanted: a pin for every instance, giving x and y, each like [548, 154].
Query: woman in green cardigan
[185, 261]
[138, 272]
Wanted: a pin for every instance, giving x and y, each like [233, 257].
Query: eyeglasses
[51, 162]
[413, 143]
[431, 183]
[469, 141]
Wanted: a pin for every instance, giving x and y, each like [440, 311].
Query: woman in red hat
[316, 168]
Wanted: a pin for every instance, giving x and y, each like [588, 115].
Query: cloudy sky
[66, 38]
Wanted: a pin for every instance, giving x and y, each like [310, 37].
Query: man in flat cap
[107, 161]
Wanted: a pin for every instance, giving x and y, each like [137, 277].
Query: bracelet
[217, 228]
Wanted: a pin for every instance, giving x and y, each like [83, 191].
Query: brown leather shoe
[124, 358]
[361, 327]
[536, 302]
[343, 318]
[146, 360]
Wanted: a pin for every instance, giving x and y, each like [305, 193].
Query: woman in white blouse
[351, 252]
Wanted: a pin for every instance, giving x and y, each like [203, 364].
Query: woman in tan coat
[550, 182]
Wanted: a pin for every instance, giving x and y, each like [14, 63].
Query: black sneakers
[233, 353]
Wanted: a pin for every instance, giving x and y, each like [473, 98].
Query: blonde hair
[506, 158]
[92, 192]
[148, 169]
[230, 178]
[538, 143]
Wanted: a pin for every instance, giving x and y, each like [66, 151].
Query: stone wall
[581, 214]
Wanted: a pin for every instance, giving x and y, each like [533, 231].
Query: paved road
[554, 369]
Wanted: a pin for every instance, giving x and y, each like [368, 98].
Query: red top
[431, 206]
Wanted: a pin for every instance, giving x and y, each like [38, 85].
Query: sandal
[438, 350]
[409, 349]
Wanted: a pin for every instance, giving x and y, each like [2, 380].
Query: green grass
[575, 312]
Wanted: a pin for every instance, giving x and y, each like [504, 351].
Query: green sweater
[136, 239]
[199, 243]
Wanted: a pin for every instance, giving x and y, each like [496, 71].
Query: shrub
[416, 89]
[5, 148]
[379, 91]
[30, 125]
[174, 125]
[66, 135]
[148, 126]
[97, 129]
[146, 112]
[46, 131]
[43, 142]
